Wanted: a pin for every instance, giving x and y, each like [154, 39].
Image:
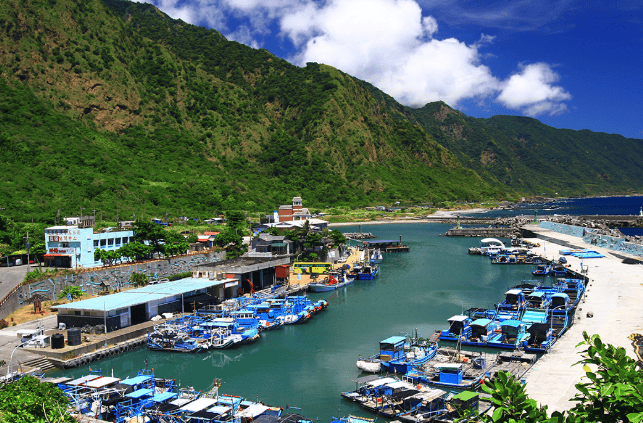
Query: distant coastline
[436, 217]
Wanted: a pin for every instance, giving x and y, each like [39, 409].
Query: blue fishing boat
[268, 319]
[458, 326]
[368, 272]
[574, 288]
[229, 325]
[465, 370]
[541, 338]
[541, 270]
[481, 331]
[400, 353]
[391, 348]
[514, 301]
[558, 270]
[538, 299]
[560, 304]
[512, 335]
[416, 352]
[170, 340]
[333, 281]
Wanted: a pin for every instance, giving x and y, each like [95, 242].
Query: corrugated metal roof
[142, 295]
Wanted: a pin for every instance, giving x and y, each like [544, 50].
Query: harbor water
[307, 366]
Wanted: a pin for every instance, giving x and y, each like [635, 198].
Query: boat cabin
[482, 328]
[392, 348]
[559, 302]
[451, 373]
[514, 300]
[537, 299]
[263, 311]
[457, 324]
[513, 330]
[540, 333]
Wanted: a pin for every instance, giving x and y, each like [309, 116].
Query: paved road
[10, 277]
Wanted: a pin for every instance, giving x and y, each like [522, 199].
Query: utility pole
[116, 217]
[28, 246]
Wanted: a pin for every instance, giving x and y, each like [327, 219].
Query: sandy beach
[437, 216]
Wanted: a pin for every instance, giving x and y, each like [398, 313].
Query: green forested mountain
[112, 105]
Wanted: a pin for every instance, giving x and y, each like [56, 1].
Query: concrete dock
[614, 296]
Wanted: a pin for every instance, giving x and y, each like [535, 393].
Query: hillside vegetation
[112, 105]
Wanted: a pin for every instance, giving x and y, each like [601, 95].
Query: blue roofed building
[139, 305]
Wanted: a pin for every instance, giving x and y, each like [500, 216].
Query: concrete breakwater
[359, 235]
[90, 357]
[484, 232]
[610, 308]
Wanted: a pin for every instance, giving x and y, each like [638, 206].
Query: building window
[110, 242]
[118, 241]
[103, 242]
[95, 243]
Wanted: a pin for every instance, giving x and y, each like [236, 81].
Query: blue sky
[570, 63]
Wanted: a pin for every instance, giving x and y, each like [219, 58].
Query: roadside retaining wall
[592, 237]
[92, 281]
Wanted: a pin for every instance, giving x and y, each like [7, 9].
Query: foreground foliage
[29, 400]
[612, 392]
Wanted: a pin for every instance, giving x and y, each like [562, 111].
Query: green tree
[236, 220]
[613, 393]
[149, 232]
[511, 403]
[74, 291]
[175, 244]
[138, 279]
[337, 237]
[231, 241]
[135, 250]
[28, 400]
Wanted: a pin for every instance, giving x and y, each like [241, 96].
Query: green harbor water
[307, 366]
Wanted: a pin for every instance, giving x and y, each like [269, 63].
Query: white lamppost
[10, 368]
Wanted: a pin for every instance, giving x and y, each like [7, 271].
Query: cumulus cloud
[392, 44]
[532, 91]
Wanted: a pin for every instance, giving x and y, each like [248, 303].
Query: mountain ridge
[162, 115]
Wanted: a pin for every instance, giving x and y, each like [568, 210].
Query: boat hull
[369, 366]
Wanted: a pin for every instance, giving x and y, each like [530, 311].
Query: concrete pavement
[614, 296]
[9, 341]
[10, 277]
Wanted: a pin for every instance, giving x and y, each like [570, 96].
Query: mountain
[114, 106]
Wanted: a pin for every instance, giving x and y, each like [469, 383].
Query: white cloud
[390, 44]
[243, 35]
[533, 92]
